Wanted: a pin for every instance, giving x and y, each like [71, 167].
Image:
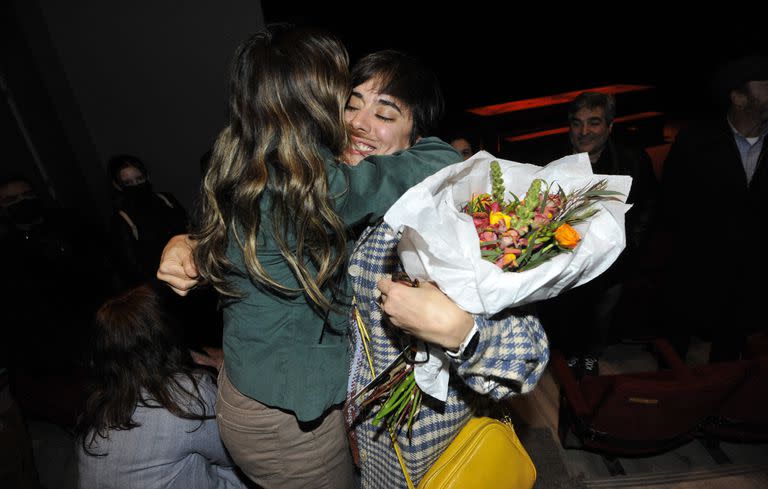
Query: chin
[351, 159]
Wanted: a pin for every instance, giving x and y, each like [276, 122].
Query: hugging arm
[512, 351]
[511, 355]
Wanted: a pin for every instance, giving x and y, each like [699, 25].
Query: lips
[361, 147]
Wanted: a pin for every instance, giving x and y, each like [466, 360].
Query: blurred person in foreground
[717, 170]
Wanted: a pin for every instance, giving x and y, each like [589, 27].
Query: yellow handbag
[485, 454]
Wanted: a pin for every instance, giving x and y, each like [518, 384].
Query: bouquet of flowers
[521, 234]
[466, 229]
[440, 241]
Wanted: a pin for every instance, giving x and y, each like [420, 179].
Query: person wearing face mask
[43, 250]
[20, 204]
[142, 222]
[53, 278]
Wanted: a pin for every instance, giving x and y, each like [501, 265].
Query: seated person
[149, 418]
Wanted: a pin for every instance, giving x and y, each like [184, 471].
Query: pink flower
[480, 220]
[551, 210]
[540, 220]
[488, 236]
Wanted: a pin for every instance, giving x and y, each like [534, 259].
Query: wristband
[468, 346]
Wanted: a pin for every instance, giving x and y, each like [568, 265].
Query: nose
[584, 130]
[360, 121]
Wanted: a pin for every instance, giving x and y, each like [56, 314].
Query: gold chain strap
[366, 338]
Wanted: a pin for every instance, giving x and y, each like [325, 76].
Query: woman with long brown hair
[149, 418]
[278, 208]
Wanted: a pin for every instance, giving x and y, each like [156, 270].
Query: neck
[593, 157]
[745, 123]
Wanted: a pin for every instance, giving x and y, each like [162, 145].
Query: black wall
[92, 78]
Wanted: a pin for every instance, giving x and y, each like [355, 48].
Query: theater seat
[743, 414]
[638, 413]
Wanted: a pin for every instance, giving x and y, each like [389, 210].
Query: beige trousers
[277, 451]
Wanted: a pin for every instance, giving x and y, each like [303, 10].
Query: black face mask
[26, 211]
[141, 191]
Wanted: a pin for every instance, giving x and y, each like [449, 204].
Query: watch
[467, 347]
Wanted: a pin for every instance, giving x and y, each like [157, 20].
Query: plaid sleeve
[511, 355]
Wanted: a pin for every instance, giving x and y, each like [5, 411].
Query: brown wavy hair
[137, 359]
[288, 91]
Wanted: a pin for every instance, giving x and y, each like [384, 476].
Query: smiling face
[379, 124]
[589, 130]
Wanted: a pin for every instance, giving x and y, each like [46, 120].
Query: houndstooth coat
[510, 357]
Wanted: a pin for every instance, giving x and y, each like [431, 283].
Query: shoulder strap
[165, 199]
[129, 221]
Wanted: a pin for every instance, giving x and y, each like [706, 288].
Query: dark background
[487, 53]
[93, 78]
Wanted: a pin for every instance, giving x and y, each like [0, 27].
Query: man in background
[579, 321]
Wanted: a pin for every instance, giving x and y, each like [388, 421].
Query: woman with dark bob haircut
[148, 421]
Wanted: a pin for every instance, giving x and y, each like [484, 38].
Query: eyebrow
[389, 103]
[379, 101]
[588, 119]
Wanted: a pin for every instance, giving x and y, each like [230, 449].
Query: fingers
[385, 285]
[425, 312]
[190, 268]
[179, 287]
[177, 265]
[395, 301]
[176, 277]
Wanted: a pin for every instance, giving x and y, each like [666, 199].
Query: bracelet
[468, 346]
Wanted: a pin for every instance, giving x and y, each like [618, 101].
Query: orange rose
[566, 236]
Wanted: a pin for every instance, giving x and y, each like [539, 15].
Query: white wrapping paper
[439, 242]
